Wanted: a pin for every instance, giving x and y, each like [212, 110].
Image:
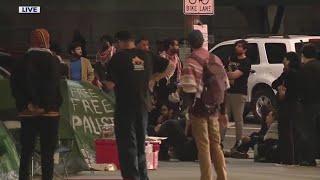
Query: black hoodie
[35, 79]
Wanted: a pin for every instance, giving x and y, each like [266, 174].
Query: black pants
[130, 129]
[245, 146]
[268, 149]
[186, 149]
[288, 117]
[310, 132]
[47, 128]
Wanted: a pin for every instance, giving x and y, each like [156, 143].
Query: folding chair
[64, 149]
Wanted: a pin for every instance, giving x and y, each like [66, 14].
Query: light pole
[189, 21]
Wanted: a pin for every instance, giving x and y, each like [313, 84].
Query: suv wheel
[261, 98]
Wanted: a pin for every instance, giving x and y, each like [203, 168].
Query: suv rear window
[299, 45]
[275, 52]
[225, 51]
[253, 53]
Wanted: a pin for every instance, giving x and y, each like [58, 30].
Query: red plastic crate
[107, 152]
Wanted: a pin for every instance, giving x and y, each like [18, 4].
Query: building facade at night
[151, 18]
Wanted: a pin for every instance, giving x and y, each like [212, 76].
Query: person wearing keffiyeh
[171, 53]
[103, 56]
[168, 85]
[107, 50]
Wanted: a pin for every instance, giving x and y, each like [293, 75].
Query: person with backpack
[204, 82]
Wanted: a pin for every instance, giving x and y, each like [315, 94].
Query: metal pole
[189, 21]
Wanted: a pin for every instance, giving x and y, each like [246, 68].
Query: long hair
[275, 115]
[265, 110]
[169, 42]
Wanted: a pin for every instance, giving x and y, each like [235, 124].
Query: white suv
[266, 55]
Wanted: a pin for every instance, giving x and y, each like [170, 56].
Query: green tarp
[84, 111]
[9, 161]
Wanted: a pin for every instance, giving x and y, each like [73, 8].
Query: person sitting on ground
[183, 146]
[268, 150]
[154, 110]
[166, 114]
[256, 137]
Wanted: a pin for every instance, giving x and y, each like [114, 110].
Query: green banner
[7, 103]
[85, 111]
[9, 159]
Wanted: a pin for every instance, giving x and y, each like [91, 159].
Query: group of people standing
[298, 107]
[132, 72]
[290, 130]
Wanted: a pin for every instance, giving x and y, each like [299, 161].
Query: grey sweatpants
[235, 105]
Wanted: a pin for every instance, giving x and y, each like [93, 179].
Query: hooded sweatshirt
[35, 78]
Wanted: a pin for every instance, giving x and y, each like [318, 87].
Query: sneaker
[227, 154]
[285, 165]
[306, 163]
[239, 155]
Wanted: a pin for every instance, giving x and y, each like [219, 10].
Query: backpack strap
[201, 61]
[212, 58]
[198, 59]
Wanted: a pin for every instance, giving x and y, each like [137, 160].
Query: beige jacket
[86, 68]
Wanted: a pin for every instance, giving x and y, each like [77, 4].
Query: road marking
[230, 136]
[247, 128]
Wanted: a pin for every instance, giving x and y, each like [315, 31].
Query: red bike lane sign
[198, 7]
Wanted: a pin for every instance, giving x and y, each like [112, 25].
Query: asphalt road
[237, 169]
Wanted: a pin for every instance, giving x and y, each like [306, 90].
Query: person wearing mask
[238, 72]
[102, 58]
[130, 74]
[309, 92]
[80, 68]
[107, 50]
[289, 106]
[35, 85]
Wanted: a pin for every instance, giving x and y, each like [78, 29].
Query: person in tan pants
[207, 135]
[204, 124]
